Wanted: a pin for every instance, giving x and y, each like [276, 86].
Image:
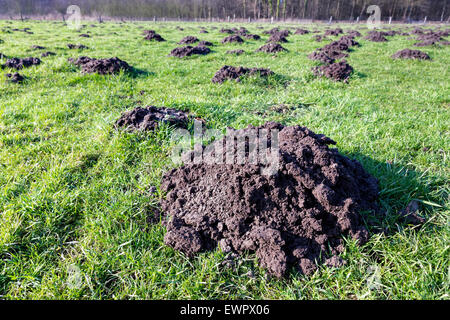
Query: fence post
[357, 19]
[390, 20]
[331, 19]
[425, 20]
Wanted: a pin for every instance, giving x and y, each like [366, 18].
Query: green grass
[74, 200]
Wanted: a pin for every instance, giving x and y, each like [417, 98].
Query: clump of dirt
[252, 36]
[284, 33]
[14, 77]
[149, 118]
[338, 71]
[77, 46]
[296, 217]
[375, 36]
[321, 56]
[100, 66]
[188, 40]
[411, 54]
[235, 73]
[354, 33]
[236, 52]
[47, 54]
[224, 30]
[84, 35]
[20, 63]
[428, 39]
[151, 35]
[333, 32]
[204, 43]
[203, 31]
[182, 52]
[277, 37]
[233, 39]
[36, 47]
[320, 38]
[349, 41]
[301, 31]
[271, 47]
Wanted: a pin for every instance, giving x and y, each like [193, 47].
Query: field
[74, 192]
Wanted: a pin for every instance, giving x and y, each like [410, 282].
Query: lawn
[75, 204]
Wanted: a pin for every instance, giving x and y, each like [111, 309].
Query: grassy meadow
[75, 204]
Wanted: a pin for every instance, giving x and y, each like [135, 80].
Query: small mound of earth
[277, 37]
[301, 31]
[338, 71]
[354, 33]
[333, 32]
[76, 46]
[320, 38]
[252, 36]
[293, 218]
[148, 118]
[84, 35]
[151, 35]
[375, 36]
[285, 33]
[271, 47]
[232, 39]
[182, 52]
[204, 43]
[101, 66]
[224, 30]
[236, 52]
[349, 41]
[321, 56]
[47, 54]
[235, 73]
[20, 63]
[411, 54]
[188, 40]
[203, 31]
[14, 77]
[36, 47]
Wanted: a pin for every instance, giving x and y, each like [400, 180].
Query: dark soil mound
[411, 54]
[188, 40]
[182, 52]
[321, 56]
[229, 31]
[84, 35]
[320, 38]
[204, 43]
[76, 46]
[20, 63]
[47, 54]
[283, 33]
[349, 41]
[203, 31]
[301, 31]
[235, 73]
[293, 218]
[151, 35]
[333, 32]
[354, 33]
[36, 47]
[148, 118]
[233, 38]
[271, 47]
[339, 71]
[375, 36]
[236, 52]
[14, 78]
[252, 36]
[277, 37]
[101, 66]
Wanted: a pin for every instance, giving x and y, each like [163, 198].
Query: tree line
[403, 10]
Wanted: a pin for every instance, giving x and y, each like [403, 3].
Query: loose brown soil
[301, 31]
[333, 32]
[14, 78]
[149, 118]
[20, 63]
[182, 52]
[233, 39]
[236, 52]
[47, 54]
[338, 71]
[375, 36]
[189, 40]
[296, 217]
[100, 66]
[271, 47]
[235, 73]
[411, 54]
[277, 37]
[76, 46]
[151, 35]
[204, 43]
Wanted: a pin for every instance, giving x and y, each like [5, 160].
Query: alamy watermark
[252, 146]
[74, 19]
[374, 20]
